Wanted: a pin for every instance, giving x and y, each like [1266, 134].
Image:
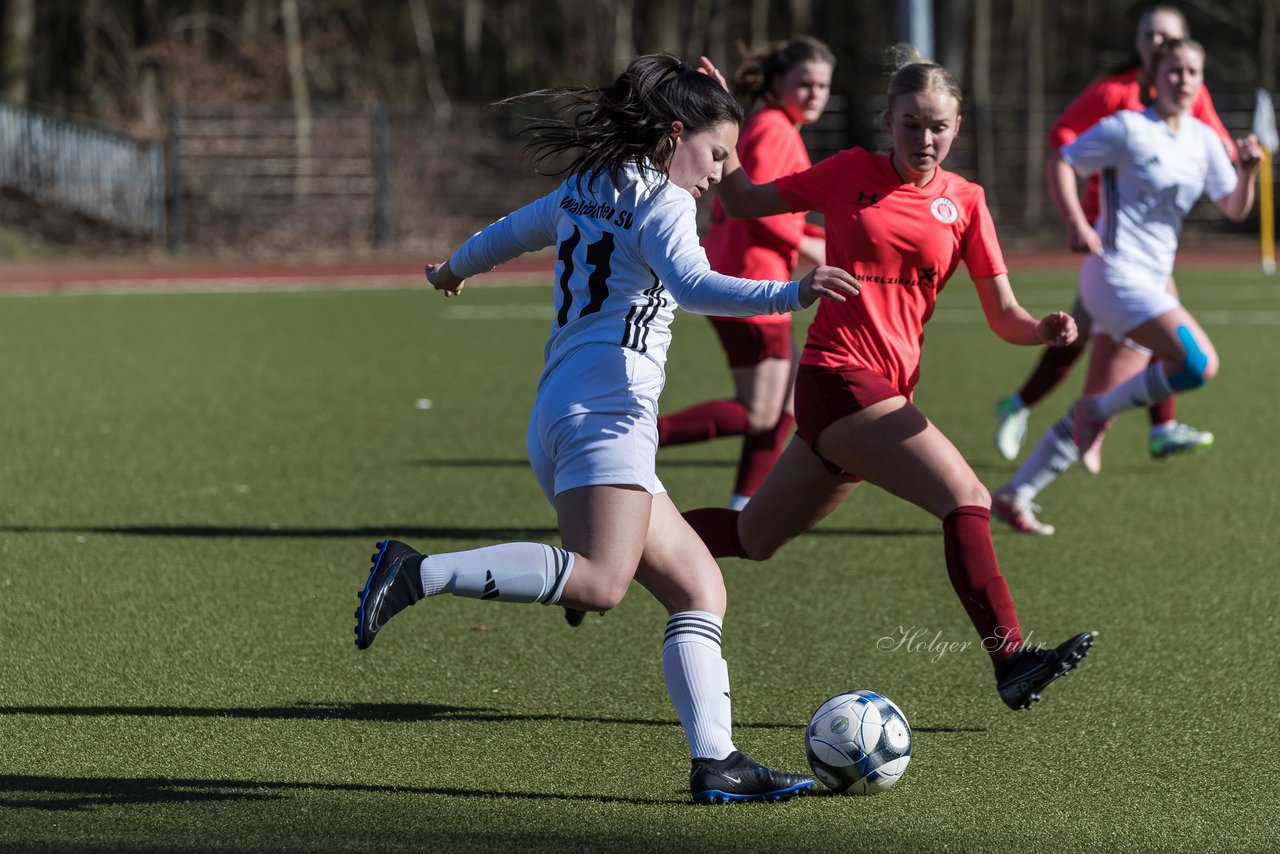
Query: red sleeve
[1203, 110]
[980, 246]
[770, 148]
[811, 189]
[1095, 103]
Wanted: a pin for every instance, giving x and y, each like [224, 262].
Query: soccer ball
[858, 742]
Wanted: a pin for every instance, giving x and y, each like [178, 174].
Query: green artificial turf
[191, 486]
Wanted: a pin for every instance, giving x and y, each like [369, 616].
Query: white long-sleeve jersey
[621, 250]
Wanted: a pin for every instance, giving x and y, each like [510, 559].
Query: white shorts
[1120, 300]
[595, 421]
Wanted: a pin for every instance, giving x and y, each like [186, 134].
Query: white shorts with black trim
[595, 421]
[1120, 301]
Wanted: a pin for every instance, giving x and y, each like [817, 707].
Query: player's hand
[443, 279]
[1083, 238]
[823, 282]
[708, 68]
[1057, 329]
[1250, 154]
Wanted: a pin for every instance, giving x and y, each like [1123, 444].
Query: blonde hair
[912, 73]
[1162, 51]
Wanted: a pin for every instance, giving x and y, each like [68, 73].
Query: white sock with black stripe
[1148, 386]
[698, 681]
[1054, 454]
[511, 572]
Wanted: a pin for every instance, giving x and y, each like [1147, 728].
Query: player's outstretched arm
[743, 198]
[823, 282]
[1237, 204]
[528, 229]
[1013, 323]
[442, 278]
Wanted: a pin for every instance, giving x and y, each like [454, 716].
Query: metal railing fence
[239, 176]
[99, 173]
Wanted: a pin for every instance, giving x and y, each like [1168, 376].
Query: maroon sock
[975, 575]
[1165, 410]
[702, 422]
[718, 528]
[759, 452]
[1053, 367]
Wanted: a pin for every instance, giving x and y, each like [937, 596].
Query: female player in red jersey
[793, 79]
[1126, 90]
[901, 224]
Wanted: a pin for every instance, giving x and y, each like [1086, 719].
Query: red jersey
[1110, 95]
[769, 147]
[902, 242]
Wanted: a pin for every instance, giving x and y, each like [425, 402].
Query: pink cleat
[1020, 513]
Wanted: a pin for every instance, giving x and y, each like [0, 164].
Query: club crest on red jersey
[944, 210]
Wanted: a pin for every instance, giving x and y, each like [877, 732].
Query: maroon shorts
[749, 344]
[825, 395]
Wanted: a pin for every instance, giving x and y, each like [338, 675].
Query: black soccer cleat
[1021, 679]
[574, 617]
[394, 584]
[738, 778]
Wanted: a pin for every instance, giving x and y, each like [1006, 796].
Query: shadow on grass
[82, 793]
[52, 793]
[385, 712]
[412, 532]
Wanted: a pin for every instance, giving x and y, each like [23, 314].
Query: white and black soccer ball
[858, 742]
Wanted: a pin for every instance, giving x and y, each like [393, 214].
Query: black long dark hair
[627, 123]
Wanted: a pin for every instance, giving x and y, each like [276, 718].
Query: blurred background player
[793, 79]
[1146, 346]
[1127, 89]
[902, 224]
[624, 222]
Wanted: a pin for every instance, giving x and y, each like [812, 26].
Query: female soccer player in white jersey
[1155, 164]
[627, 251]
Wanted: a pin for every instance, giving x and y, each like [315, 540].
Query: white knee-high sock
[1053, 454]
[511, 572]
[1144, 388]
[698, 681]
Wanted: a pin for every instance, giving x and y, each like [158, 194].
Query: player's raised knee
[608, 593]
[1199, 364]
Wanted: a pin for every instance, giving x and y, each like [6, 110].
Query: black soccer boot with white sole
[738, 778]
[1021, 679]
[394, 584]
